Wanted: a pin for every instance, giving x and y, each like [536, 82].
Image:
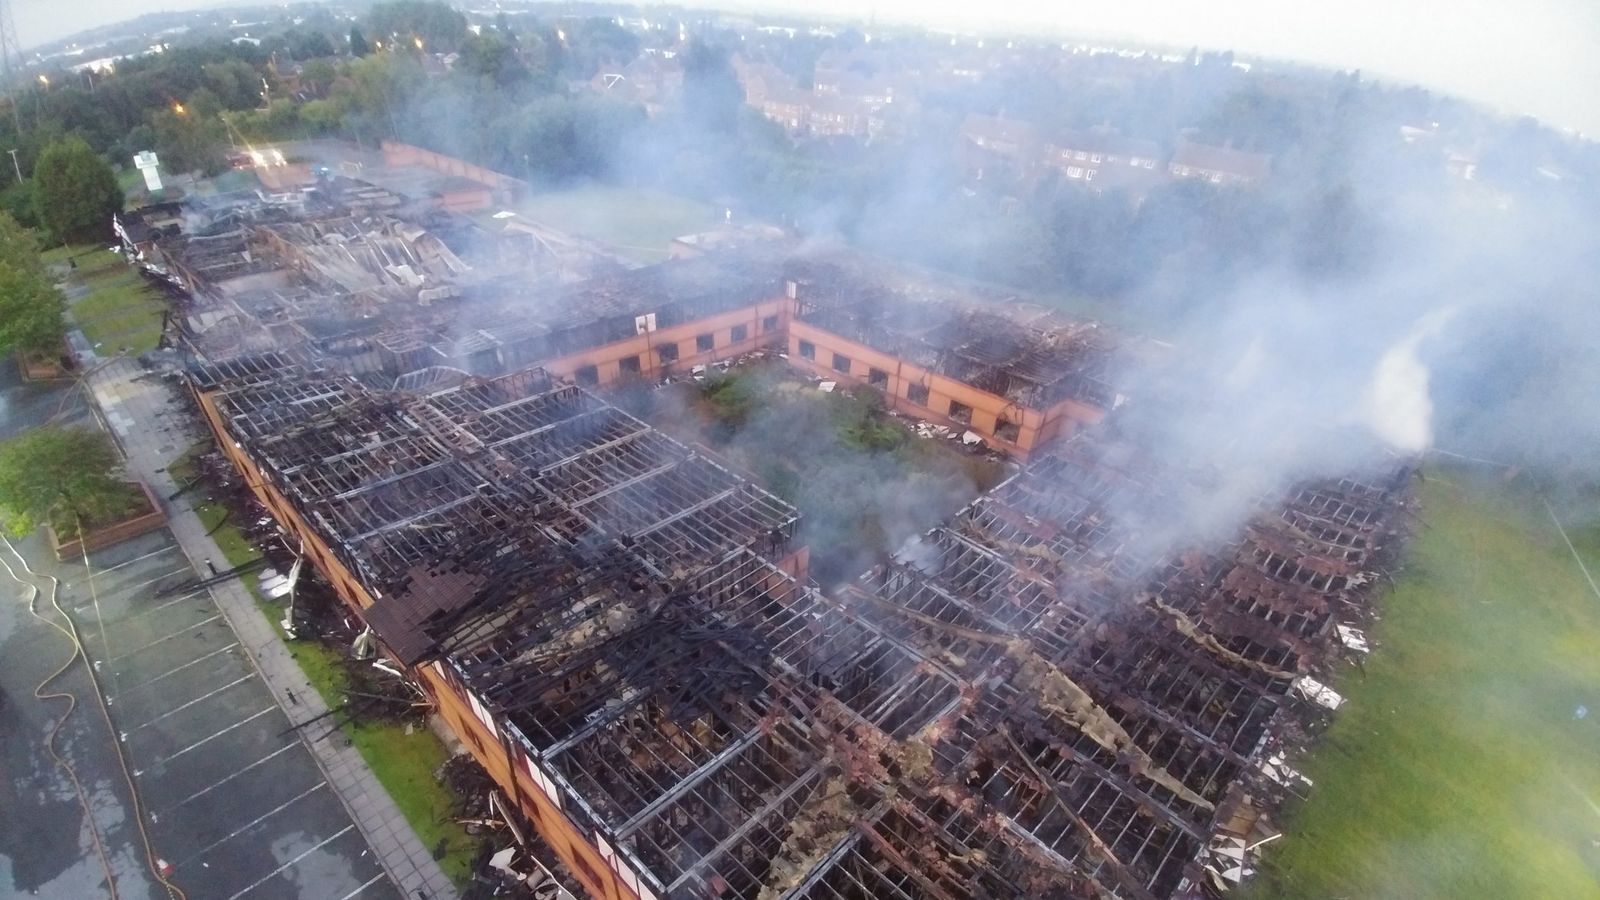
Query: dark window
[841, 363]
[668, 352]
[588, 376]
[918, 394]
[961, 412]
[587, 872]
[629, 365]
[704, 342]
[878, 378]
[740, 333]
[1007, 431]
[770, 323]
[808, 350]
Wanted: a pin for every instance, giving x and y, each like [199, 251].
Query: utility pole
[14, 165]
[10, 64]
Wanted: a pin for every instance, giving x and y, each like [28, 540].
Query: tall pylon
[10, 61]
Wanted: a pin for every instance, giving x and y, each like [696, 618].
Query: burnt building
[1045, 696]
[1029, 700]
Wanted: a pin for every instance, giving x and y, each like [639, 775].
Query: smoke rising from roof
[1360, 304]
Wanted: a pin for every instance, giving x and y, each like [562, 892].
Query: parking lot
[233, 799]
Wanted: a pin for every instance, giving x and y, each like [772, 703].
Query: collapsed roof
[1029, 700]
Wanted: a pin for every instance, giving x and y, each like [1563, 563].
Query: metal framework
[1032, 699]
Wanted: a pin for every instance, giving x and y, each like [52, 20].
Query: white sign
[145, 161]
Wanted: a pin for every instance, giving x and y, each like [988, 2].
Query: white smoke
[1398, 406]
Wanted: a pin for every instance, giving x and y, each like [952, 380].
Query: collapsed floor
[1033, 699]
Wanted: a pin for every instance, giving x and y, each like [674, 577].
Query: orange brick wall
[1035, 427]
[987, 408]
[607, 359]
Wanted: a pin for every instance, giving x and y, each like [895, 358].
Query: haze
[1533, 57]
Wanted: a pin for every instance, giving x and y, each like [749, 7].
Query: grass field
[1464, 765]
[639, 223]
[403, 763]
[119, 310]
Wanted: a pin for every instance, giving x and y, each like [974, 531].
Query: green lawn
[403, 763]
[638, 223]
[121, 311]
[1461, 767]
[863, 482]
[131, 181]
[57, 256]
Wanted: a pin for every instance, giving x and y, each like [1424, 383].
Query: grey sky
[1535, 57]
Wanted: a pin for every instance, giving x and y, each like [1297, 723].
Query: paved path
[154, 427]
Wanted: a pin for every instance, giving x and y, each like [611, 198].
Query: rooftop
[1032, 699]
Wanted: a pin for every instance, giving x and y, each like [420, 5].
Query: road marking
[214, 785]
[173, 671]
[375, 879]
[275, 872]
[254, 822]
[217, 735]
[208, 694]
[144, 612]
[128, 590]
[167, 638]
[167, 549]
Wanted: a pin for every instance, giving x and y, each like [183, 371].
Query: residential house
[1085, 155]
[999, 147]
[649, 81]
[1219, 165]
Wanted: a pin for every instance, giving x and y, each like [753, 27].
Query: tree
[190, 141]
[598, 41]
[306, 45]
[56, 473]
[16, 200]
[19, 247]
[712, 97]
[441, 28]
[317, 76]
[30, 310]
[492, 56]
[359, 46]
[75, 192]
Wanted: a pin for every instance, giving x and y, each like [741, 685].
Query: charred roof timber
[1030, 700]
